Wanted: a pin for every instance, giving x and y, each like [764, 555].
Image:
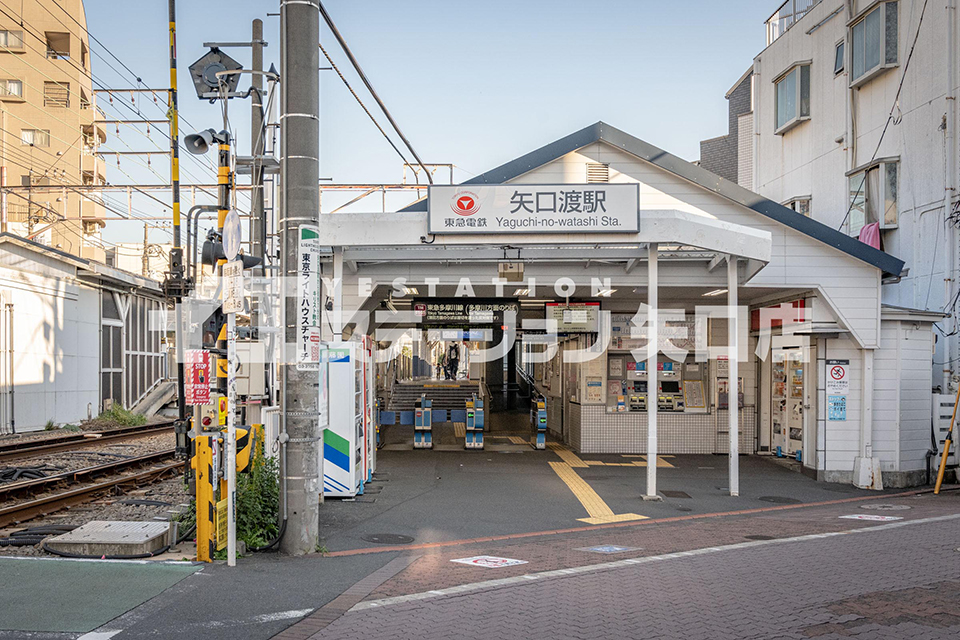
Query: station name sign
[532, 208]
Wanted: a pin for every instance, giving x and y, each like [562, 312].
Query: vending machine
[349, 441]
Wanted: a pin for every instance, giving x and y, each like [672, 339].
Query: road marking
[99, 635]
[621, 564]
[566, 455]
[597, 509]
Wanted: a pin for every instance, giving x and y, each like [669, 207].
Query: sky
[475, 84]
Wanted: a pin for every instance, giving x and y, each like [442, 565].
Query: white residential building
[854, 120]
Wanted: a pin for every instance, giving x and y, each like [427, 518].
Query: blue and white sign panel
[837, 408]
[533, 208]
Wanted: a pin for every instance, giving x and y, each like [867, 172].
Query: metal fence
[785, 17]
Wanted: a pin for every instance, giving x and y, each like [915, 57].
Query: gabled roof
[602, 132]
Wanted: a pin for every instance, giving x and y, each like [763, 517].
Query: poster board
[693, 396]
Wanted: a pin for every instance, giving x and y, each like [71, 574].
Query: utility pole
[145, 260]
[258, 225]
[300, 189]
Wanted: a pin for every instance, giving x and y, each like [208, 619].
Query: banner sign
[308, 298]
[531, 208]
[197, 374]
[460, 311]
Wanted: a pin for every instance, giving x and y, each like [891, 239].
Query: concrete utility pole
[300, 192]
[258, 225]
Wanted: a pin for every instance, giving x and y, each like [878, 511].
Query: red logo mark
[465, 203]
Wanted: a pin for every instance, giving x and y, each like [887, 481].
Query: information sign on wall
[308, 298]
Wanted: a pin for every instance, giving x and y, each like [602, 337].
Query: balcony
[786, 16]
[93, 165]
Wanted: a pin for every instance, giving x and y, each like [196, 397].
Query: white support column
[337, 319]
[652, 320]
[733, 395]
[866, 467]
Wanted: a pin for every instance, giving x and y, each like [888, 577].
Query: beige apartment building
[49, 134]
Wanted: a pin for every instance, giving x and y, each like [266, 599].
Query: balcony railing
[786, 16]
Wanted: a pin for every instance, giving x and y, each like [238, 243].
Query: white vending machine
[349, 441]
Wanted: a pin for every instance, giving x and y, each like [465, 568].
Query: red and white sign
[838, 380]
[489, 562]
[197, 386]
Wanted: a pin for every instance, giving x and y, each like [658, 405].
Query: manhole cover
[674, 494]
[387, 538]
[779, 500]
[885, 507]
[760, 537]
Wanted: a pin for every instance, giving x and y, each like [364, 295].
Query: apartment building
[49, 132]
[854, 121]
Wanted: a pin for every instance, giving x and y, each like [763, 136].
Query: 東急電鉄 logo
[465, 203]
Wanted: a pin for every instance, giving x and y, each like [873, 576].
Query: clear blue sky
[475, 84]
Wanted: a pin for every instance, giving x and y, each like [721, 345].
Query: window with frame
[11, 40]
[838, 60]
[56, 94]
[801, 205]
[874, 41]
[874, 196]
[35, 137]
[793, 97]
[11, 89]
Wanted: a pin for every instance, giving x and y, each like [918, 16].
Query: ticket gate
[473, 437]
[423, 424]
[541, 424]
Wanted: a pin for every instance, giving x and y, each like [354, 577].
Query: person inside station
[453, 361]
[441, 363]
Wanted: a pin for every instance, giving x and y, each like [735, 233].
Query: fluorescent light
[715, 292]
[521, 292]
[411, 291]
[606, 293]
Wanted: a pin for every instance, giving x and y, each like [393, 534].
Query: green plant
[50, 426]
[123, 417]
[322, 549]
[72, 428]
[258, 501]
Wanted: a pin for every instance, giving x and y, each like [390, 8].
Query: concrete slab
[77, 596]
[113, 538]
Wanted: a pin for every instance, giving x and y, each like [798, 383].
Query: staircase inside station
[446, 394]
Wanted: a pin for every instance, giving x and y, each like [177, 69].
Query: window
[874, 42]
[58, 45]
[35, 137]
[873, 196]
[11, 40]
[11, 89]
[801, 205]
[838, 59]
[56, 94]
[793, 97]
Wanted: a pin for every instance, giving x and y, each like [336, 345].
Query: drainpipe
[850, 131]
[755, 97]
[950, 190]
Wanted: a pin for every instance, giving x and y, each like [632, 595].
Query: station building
[575, 239]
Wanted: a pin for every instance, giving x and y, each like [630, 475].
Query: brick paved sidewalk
[895, 582]
[435, 571]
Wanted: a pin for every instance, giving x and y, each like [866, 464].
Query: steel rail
[29, 448]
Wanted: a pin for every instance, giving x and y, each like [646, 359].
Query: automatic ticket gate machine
[541, 423]
[423, 424]
[473, 436]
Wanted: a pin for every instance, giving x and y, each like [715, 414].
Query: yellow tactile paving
[597, 509]
[460, 429]
[566, 455]
[518, 440]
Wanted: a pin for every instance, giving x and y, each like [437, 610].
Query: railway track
[126, 473]
[29, 448]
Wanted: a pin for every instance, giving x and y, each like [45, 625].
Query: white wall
[56, 348]
[808, 160]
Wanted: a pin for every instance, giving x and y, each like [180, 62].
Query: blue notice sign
[837, 408]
